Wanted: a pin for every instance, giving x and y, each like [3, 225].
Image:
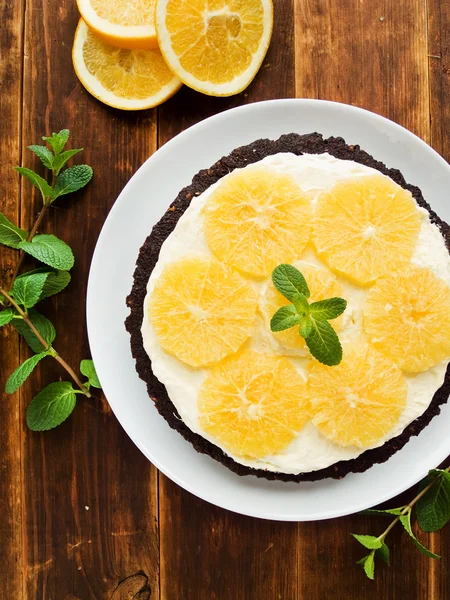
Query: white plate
[141, 204]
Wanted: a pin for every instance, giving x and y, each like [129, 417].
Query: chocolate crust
[312, 143]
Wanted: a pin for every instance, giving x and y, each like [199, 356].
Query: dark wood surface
[83, 515]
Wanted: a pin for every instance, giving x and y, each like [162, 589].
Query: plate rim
[90, 297]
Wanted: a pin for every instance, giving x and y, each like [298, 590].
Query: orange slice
[126, 79]
[122, 23]
[253, 404]
[214, 46]
[201, 311]
[360, 400]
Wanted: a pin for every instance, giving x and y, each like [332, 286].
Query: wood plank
[373, 55]
[439, 69]
[10, 452]
[11, 41]
[366, 53]
[90, 513]
[207, 552]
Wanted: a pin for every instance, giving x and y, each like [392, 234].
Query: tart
[256, 400]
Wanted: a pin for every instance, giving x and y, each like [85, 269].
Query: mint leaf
[289, 281]
[55, 282]
[57, 141]
[368, 564]
[368, 541]
[88, 370]
[405, 520]
[23, 371]
[60, 160]
[10, 235]
[324, 344]
[6, 316]
[328, 309]
[50, 250]
[51, 406]
[306, 326]
[36, 180]
[285, 318]
[28, 289]
[301, 304]
[386, 512]
[72, 180]
[384, 553]
[433, 509]
[42, 324]
[44, 154]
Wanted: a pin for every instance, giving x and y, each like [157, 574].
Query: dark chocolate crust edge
[297, 144]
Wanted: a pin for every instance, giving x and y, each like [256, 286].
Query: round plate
[142, 203]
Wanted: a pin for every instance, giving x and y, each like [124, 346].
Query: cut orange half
[214, 46]
[126, 79]
[123, 23]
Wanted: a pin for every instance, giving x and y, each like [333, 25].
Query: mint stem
[409, 506]
[31, 235]
[46, 345]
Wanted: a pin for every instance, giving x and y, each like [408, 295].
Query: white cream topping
[310, 450]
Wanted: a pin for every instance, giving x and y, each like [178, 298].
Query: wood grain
[81, 514]
[90, 515]
[368, 53]
[439, 90]
[206, 552]
[11, 51]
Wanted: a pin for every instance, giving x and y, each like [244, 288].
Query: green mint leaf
[433, 509]
[42, 324]
[328, 309]
[50, 250]
[88, 370]
[57, 141]
[387, 512]
[36, 180]
[324, 344]
[28, 289]
[306, 326]
[368, 564]
[61, 159]
[44, 154]
[51, 406]
[72, 180]
[368, 541]
[289, 281]
[23, 371]
[285, 318]
[10, 235]
[405, 520]
[55, 282]
[301, 304]
[384, 553]
[6, 316]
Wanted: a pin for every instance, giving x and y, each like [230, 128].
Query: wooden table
[82, 510]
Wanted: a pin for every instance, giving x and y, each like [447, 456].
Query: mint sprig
[24, 290]
[311, 318]
[432, 509]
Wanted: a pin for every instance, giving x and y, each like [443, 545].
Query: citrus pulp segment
[322, 285]
[126, 79]
[123, 23]
[407, 318]
[201, 310]
[256, 219]
[253, 404]
[360, 400]
[214, 46]
[366, 226]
